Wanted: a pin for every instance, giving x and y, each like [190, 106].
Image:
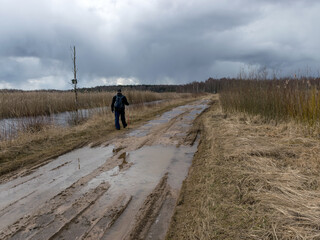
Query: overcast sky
[153, 41]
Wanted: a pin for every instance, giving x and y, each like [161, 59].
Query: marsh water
[9, 127]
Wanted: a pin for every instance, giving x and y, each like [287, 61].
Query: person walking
[118, 106]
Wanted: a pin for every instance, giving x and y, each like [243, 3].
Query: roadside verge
[249, 180]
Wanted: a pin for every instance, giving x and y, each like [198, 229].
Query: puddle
[149, 164]
[24, 194]
[166, 117]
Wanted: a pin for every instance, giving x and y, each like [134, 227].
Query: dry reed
[278, 99]
[20, 104]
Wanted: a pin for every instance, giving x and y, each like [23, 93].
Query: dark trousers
[117, 114]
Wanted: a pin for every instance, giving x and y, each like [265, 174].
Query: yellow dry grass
[284, 99]
[18, 104]
[250, 180]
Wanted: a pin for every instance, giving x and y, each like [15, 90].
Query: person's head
[119, 90]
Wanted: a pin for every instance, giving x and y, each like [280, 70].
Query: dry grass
[278, 99]
[32, 148]
[250, 180]
[19, 104]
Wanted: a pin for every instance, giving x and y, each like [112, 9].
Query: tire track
[54, 215]
[149, 210]
[102, 224]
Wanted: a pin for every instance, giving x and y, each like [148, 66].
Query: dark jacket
[124, 101]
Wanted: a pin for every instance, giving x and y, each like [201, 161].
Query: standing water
[9, 127]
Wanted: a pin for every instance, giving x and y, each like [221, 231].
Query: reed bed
[22, 104]
[274, 99]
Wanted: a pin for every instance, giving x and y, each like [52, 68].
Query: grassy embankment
[31, 148]
[256, 174]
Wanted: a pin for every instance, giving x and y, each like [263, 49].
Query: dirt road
[125, 189]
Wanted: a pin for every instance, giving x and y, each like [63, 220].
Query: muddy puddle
[166, 117]
[126, 189]
[23, 195]
[147, 166]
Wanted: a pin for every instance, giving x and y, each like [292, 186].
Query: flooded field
[11, 126]
[125, 189]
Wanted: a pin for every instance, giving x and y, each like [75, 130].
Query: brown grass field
[250, 179]
[20, 104]
[279, 100]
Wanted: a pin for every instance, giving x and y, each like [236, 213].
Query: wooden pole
[75, 77]
[75, 81]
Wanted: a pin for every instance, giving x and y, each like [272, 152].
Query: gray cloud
[159, 41]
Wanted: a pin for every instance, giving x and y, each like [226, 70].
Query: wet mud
[126, 189]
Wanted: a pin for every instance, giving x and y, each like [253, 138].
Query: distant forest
[211, 85]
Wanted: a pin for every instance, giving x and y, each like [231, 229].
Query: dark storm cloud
[157, 41]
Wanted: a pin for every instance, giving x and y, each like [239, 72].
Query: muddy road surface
[124, 189]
